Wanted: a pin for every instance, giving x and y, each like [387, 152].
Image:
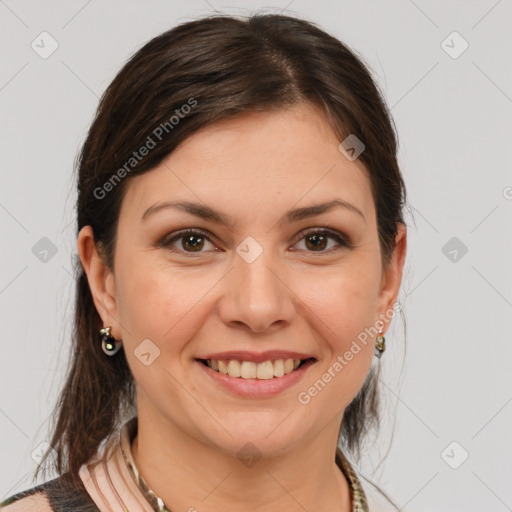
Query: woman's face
[256, 275]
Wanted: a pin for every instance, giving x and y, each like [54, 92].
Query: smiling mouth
[249, 370]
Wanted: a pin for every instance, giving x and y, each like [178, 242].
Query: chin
[261, 439]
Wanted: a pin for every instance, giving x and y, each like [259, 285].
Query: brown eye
[188, 241]
[317, 241]
[193, 242]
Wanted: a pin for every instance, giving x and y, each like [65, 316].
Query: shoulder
[61, 494]
[30, 500]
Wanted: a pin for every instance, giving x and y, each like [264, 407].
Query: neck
[189, 474]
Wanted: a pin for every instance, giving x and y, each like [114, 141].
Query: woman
[241, 246]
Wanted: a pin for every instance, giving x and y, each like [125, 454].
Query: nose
[256, 296]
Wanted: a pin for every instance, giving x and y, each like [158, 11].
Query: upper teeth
[251, 370]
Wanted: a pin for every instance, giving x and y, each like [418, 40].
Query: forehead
[258, 163]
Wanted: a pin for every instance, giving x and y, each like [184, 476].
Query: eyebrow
[208, 213]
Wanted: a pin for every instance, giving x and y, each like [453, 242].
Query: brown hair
[221, 67]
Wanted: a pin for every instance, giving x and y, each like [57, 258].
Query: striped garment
[112, 483]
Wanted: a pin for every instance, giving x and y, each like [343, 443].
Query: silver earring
[380, 344]
[108, 343]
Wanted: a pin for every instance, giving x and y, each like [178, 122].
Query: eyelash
[343, 242]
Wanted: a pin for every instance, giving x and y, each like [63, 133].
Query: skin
[292, 297]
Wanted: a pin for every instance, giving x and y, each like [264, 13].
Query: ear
[392, 277]
[100, 278]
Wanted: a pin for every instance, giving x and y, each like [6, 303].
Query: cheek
[155, 305]
[344, 299]
[342, 308]
[162, 303]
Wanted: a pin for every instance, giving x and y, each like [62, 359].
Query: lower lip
[257, 388]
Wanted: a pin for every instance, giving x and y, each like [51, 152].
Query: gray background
[454, 121]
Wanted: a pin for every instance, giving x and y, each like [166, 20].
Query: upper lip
[256, 357]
